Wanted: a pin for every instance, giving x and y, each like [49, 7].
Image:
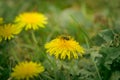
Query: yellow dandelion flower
[32, 20]
[27, 70]
[8, 31]
[64, 46]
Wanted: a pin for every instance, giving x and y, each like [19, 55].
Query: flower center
[30, 18]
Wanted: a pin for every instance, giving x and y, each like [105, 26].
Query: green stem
[33, 37]
[35, 40]
[97, 71]
[87, 43]
[53, 63]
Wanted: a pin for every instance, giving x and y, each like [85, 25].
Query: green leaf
[115, 75]
[110, 54]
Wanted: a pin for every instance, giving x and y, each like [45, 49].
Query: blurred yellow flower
[8, 31]
[32, 20]
[64, 46]
[27, 70]
[1, 20]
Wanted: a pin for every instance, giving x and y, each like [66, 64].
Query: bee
[65, 37]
